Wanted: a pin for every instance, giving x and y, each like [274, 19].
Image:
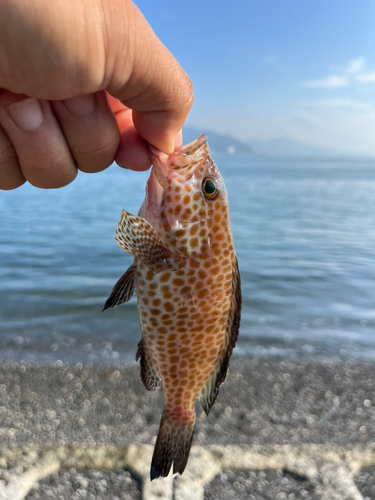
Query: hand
[83, 83]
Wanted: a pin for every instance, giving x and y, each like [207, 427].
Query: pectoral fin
[136, 236]
[123, 290]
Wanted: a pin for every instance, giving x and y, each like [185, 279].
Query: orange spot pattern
[184, 311]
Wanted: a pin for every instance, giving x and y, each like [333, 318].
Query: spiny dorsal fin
[210, 391]
[149, 376]
[123, 290]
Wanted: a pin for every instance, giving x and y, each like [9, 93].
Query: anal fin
[123, 290]
[150, 378]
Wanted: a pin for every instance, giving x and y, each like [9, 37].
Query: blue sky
[263, 69]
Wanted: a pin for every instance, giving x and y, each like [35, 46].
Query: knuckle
[8, 156]
[10, 173]
[95, 157]
[57, 173]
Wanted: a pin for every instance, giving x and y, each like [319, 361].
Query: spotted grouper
[185, 274]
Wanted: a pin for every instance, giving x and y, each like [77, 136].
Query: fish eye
[209, 189]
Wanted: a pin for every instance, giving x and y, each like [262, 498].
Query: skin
[186, 277]
[83, 83]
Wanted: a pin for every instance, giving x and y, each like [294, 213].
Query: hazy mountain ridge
[275, 148]
[287, 148]
[220, 144]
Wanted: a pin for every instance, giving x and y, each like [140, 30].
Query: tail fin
[172, 446]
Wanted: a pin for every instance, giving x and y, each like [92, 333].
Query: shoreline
[277, 350]
[312, 401]
[264, 402]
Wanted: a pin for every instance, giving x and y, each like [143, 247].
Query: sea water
[304, 234]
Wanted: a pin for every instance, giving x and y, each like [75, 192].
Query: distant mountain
[288, 148]
[274, 148]
[220, 144]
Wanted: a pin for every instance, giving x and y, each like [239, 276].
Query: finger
[178, 142]
[41, 148]
[133, 151]
[90, 129]
[157, 89]
[123, 115]
[11, 175]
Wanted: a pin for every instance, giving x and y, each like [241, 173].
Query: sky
[302, 70]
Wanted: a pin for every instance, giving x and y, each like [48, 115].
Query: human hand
[83, 83]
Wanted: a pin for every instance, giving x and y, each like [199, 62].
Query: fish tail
[172, 444]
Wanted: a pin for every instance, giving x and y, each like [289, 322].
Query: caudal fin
[172, 446]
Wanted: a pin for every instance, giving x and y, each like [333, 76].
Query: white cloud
[356, 65]
[340, 130]
[344, 124]
[343, 129]
[307, 119]
[331, 82]
[366, 77]
[338, 103]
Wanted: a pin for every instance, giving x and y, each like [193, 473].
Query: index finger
[122, 114]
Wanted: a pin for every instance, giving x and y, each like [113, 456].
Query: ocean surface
[304, 233]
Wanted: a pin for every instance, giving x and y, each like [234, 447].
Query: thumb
[156, 88]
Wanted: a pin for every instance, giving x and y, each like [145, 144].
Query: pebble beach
[264, 403]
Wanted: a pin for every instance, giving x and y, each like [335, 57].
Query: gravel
[262, 402]
[263, 485]
[365, 482]
[88, 485]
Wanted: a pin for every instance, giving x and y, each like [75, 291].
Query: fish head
[186, 199]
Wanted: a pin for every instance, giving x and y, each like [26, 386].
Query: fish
[186, 277]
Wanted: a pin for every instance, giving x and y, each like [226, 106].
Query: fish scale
[186, 277]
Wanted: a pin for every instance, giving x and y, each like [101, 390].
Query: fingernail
[26, 114]
[82, 105]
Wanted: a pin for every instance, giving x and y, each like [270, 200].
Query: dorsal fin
[150, 378]
[123, 290]
[210, 391]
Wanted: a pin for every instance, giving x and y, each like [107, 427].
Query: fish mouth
[192, 152]
[182, 163]
[192, 149]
